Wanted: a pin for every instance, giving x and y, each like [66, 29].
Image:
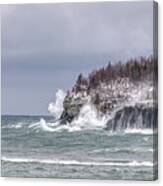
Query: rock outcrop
[137, 117]
[128, 101]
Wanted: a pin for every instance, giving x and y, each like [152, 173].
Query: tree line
[134, 69]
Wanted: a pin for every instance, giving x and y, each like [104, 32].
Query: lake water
[32, 148]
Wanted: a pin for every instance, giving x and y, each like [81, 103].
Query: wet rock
[140, 116]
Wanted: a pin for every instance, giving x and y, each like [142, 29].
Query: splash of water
[56, 108]
[89, 118]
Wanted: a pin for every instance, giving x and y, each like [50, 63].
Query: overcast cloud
[45, 47]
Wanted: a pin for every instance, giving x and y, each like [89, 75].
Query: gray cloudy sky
[45, 46]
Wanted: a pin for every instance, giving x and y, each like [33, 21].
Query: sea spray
[56, 108]
[89, 118]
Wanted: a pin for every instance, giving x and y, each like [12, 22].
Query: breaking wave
[44, 126]
[13, 126]
[79, 126]
[85, 163]
[140, 131]
[88, 119]
[123, 150]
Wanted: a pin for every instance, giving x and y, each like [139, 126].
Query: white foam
[89, 118]
[44, 126]
[56, 108]
[14, 126]
[140, 131]
[115, 150]
[90, 121]
[75, 162]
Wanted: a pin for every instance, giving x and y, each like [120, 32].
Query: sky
[45, 47]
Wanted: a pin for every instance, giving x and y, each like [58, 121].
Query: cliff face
[126, 102]
[140, 116]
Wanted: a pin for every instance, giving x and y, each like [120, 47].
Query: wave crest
[75, 162]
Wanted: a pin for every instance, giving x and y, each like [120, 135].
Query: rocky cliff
[125, 94]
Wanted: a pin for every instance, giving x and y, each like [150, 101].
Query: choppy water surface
[34, 148]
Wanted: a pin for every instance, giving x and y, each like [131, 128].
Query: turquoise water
[30, 149]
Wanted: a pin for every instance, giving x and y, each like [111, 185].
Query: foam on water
[88, 119]
[14, 126]
[140, 131]
[122, 150]
[75, 162]
[44, 126]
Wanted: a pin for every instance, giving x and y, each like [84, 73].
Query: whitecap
[140, 131]
[127, 150]
[14, 126]
[121, 163]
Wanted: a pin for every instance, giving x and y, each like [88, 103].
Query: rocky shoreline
[127, 102]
